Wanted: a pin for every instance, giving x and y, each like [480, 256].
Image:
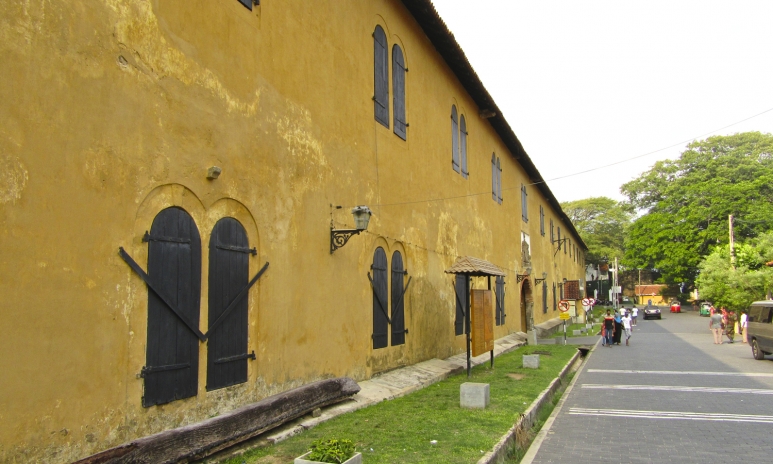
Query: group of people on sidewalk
[616, 325]
[724, 321]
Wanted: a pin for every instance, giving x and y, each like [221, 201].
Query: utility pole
[732, 241]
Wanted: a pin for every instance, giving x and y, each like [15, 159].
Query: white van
[760, 328]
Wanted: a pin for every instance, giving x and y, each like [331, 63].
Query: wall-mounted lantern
[339, 237]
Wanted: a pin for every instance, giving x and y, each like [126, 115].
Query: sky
[584, 84]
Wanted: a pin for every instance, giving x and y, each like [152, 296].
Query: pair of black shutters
[381, 83]
[382, 321]
[462, 288]
[174, 267]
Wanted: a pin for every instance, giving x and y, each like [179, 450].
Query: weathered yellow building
[116, 118]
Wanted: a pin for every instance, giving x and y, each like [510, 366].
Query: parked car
[705, 309]
[651, 312]
[676, 307]
[759, 328]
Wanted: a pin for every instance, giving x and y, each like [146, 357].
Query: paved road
[672, 396]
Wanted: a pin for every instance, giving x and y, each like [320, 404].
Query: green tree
[601, 223]
[686, 203]
[737, 287]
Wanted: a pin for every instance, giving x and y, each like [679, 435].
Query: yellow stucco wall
[112, 111]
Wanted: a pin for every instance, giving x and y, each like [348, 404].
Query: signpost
[563, 306]
[587, 305]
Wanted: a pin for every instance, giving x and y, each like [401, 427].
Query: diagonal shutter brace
[378, 298]
[146, 278]
[242, 293]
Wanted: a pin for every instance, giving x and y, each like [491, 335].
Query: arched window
[463, 145]
[380, 77]
[380, 295]
[454, 138]
[398, 299]
[398, 90]
[229, 266]
[174, 266]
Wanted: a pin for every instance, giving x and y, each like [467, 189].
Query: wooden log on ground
[197, 441]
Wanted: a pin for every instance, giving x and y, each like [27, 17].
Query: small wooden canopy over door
[174, 267]
[228, 274]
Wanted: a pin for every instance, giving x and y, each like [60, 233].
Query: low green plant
[331, 450]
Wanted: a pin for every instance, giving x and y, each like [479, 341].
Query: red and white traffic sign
[563, 306]
[587, 302]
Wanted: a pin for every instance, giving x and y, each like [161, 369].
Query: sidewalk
[396, 383]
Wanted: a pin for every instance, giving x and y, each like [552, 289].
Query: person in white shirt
[634, 313]
[627, 328]
[742, 325]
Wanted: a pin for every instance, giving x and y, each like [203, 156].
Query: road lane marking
[731, 374]
[671, 415]
[745, 391]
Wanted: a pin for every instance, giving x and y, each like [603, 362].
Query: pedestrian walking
[730, 326]
[634, 314]
[715, 325]
[609, 328]
[627, 327]
[742, 326]
[618, 328]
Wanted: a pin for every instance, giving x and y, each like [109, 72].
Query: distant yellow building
[213, 144]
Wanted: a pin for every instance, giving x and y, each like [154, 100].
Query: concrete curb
[499, 453]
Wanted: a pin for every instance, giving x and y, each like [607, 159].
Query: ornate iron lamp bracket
[520, 277]
[538, 281]
[339, 237]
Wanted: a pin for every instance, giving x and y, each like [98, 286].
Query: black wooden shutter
[398, 91]
[454, 138]
[247, 4]
[499, 182]
[174, 266]
[380, 294]
[463, 145]
[544, 297]
[494, 177]
[380, 77]
[462, 292]
[500, 294]
[398, 299]
[555, 305]
[228, 274]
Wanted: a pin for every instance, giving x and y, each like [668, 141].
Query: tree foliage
[687, 202]
[749, 281]
[601, 223]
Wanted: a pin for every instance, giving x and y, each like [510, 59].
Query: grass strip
[403, 429]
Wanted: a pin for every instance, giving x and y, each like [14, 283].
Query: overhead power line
[691, 139]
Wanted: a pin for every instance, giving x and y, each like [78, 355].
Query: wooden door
[398, 299]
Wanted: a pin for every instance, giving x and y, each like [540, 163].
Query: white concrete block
[531, 361]
[474, 395]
